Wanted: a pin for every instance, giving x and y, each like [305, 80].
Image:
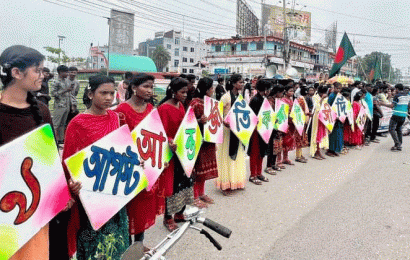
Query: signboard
[221, 71]
[366, 109]
[213, 129]
[242, 120]
[298, 117]
[282, 116]
[361, 118]
[299, 22]
[188, 140]
[266, 121]
[33, 188]
[121, 32]
[341, 106]
[152, 142]
[110, 173]
[385, 120]
[327, 116]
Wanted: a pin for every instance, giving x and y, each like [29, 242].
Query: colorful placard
[266, 121]
[282, 116]
[213, 128]
[33, 188]
[242, 120]
[327, 116]
[340, 106]
[111, 175]
[188, 140]
[366, 109]
[361, 118]
[350, 114]
[152, 142]
[298, 117]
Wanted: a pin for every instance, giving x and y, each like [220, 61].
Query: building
[185, 53]
[248, 55]
[97, 59]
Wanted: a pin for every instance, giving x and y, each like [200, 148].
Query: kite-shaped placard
[242, 120]
[350, 114]
[152, 143]
[366, 109]
[282, 116]
[33, 188]
[361, 118]
[213, 129]
[340, 106]
[110, 173]
[266, 121]
[298, 117]
[327, 116]
[188, 140]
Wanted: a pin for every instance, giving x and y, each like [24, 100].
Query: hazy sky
[37, 23]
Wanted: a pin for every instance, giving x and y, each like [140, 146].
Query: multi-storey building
[185, 54]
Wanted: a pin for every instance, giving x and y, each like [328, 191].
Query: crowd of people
[23, 107]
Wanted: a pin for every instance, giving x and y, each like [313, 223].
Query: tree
[59, 56]
[160, 56]
[368, 62]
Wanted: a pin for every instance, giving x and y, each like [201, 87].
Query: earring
[135, 92]
[173, 95]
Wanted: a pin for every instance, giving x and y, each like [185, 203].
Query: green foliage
[106, 250]
[368, 63]
[59, 56]
[205, 73]
[160, 56]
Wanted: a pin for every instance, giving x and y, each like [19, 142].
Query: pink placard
[213, 129]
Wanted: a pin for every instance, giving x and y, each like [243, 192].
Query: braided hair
[21, 57]
[174, 86]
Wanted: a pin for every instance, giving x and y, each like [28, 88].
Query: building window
[259, 46]
[191, 70]
[184, 60]
[192, 49]
[176, 63]
[218, 48]
[184, 48]
[169, 46]
[244, 47]
[176, 52]
[191, 60]
[184, 70]
[176, 40]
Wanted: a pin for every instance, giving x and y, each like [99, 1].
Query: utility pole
[285, 39]
[109, 45]
[60, 39]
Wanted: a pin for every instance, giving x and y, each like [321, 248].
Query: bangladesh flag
[344, 53]
[376, 72]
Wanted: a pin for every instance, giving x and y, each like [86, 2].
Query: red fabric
[82, 131]
[321, 132]
[142, 210]
[199, 189]
[289, 143]
[255, 158]
[354, 137]
[171, 118]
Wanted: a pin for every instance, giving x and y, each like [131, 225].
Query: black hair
[190, 77]
[128, 75]
[276, 89]
[374, 91]
[337, 85]
[399, 86]
[62, 68]
[45, 69]
[93, 83]
[356, 83]
[174, 86]
[203, 86]
[21, 57]
[288, 87]
[141, 78]
[184, 76]
[358, 95]
[72, 68]
[263, 85]
[220, 80]
[304, 90]
[322, 90]
[232, 80]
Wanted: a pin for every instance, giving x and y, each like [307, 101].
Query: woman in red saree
[289, 143]
[141, 210]
[355, 137]
[205, 167]
[83, 130]
[174, 186]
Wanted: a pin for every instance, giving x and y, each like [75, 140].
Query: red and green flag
[344, 53]
[376, 72]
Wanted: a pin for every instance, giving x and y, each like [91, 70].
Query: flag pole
[364, 73]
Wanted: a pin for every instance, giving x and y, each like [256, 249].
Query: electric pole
[285, 39]
[60, 39]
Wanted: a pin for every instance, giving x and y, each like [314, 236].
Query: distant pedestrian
[220, 89]
[43, 94]
[73, 82]
[122, 88]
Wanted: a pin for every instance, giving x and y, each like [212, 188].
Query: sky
[37, 23]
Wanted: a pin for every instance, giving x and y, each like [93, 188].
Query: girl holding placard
[356, 136]
[21, 72]
[319, 138]
[206, 167]
[174, 185]
[83, 130]
[289, 137]
[231, 153]
[142, 210]
[302, 140]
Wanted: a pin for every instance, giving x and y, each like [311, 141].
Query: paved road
[352, 207]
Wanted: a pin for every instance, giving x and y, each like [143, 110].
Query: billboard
[299, 22]
[121, 32]
[247, 24]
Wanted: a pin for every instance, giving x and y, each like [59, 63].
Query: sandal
[227, 193]
[301, 160]
[329, 153]
[270, 171]
[276, 168]
[255, 180]
[178, 218]
[262, 178]
[199, 204]
[206, 199]
[289, 162]
[317, 157]
[170, 224]
[394, 148]
[281, 166]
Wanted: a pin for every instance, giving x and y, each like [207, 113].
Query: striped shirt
[401, 104]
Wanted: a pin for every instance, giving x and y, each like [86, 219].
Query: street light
[60, 39]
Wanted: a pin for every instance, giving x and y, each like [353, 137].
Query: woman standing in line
[206, 167]
[174, 186]
[289, 143]
[302, 140]
[85, 129]
[319, 137]
[231, 153]
[142, 210]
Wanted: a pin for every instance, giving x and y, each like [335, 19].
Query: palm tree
[160, 56]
